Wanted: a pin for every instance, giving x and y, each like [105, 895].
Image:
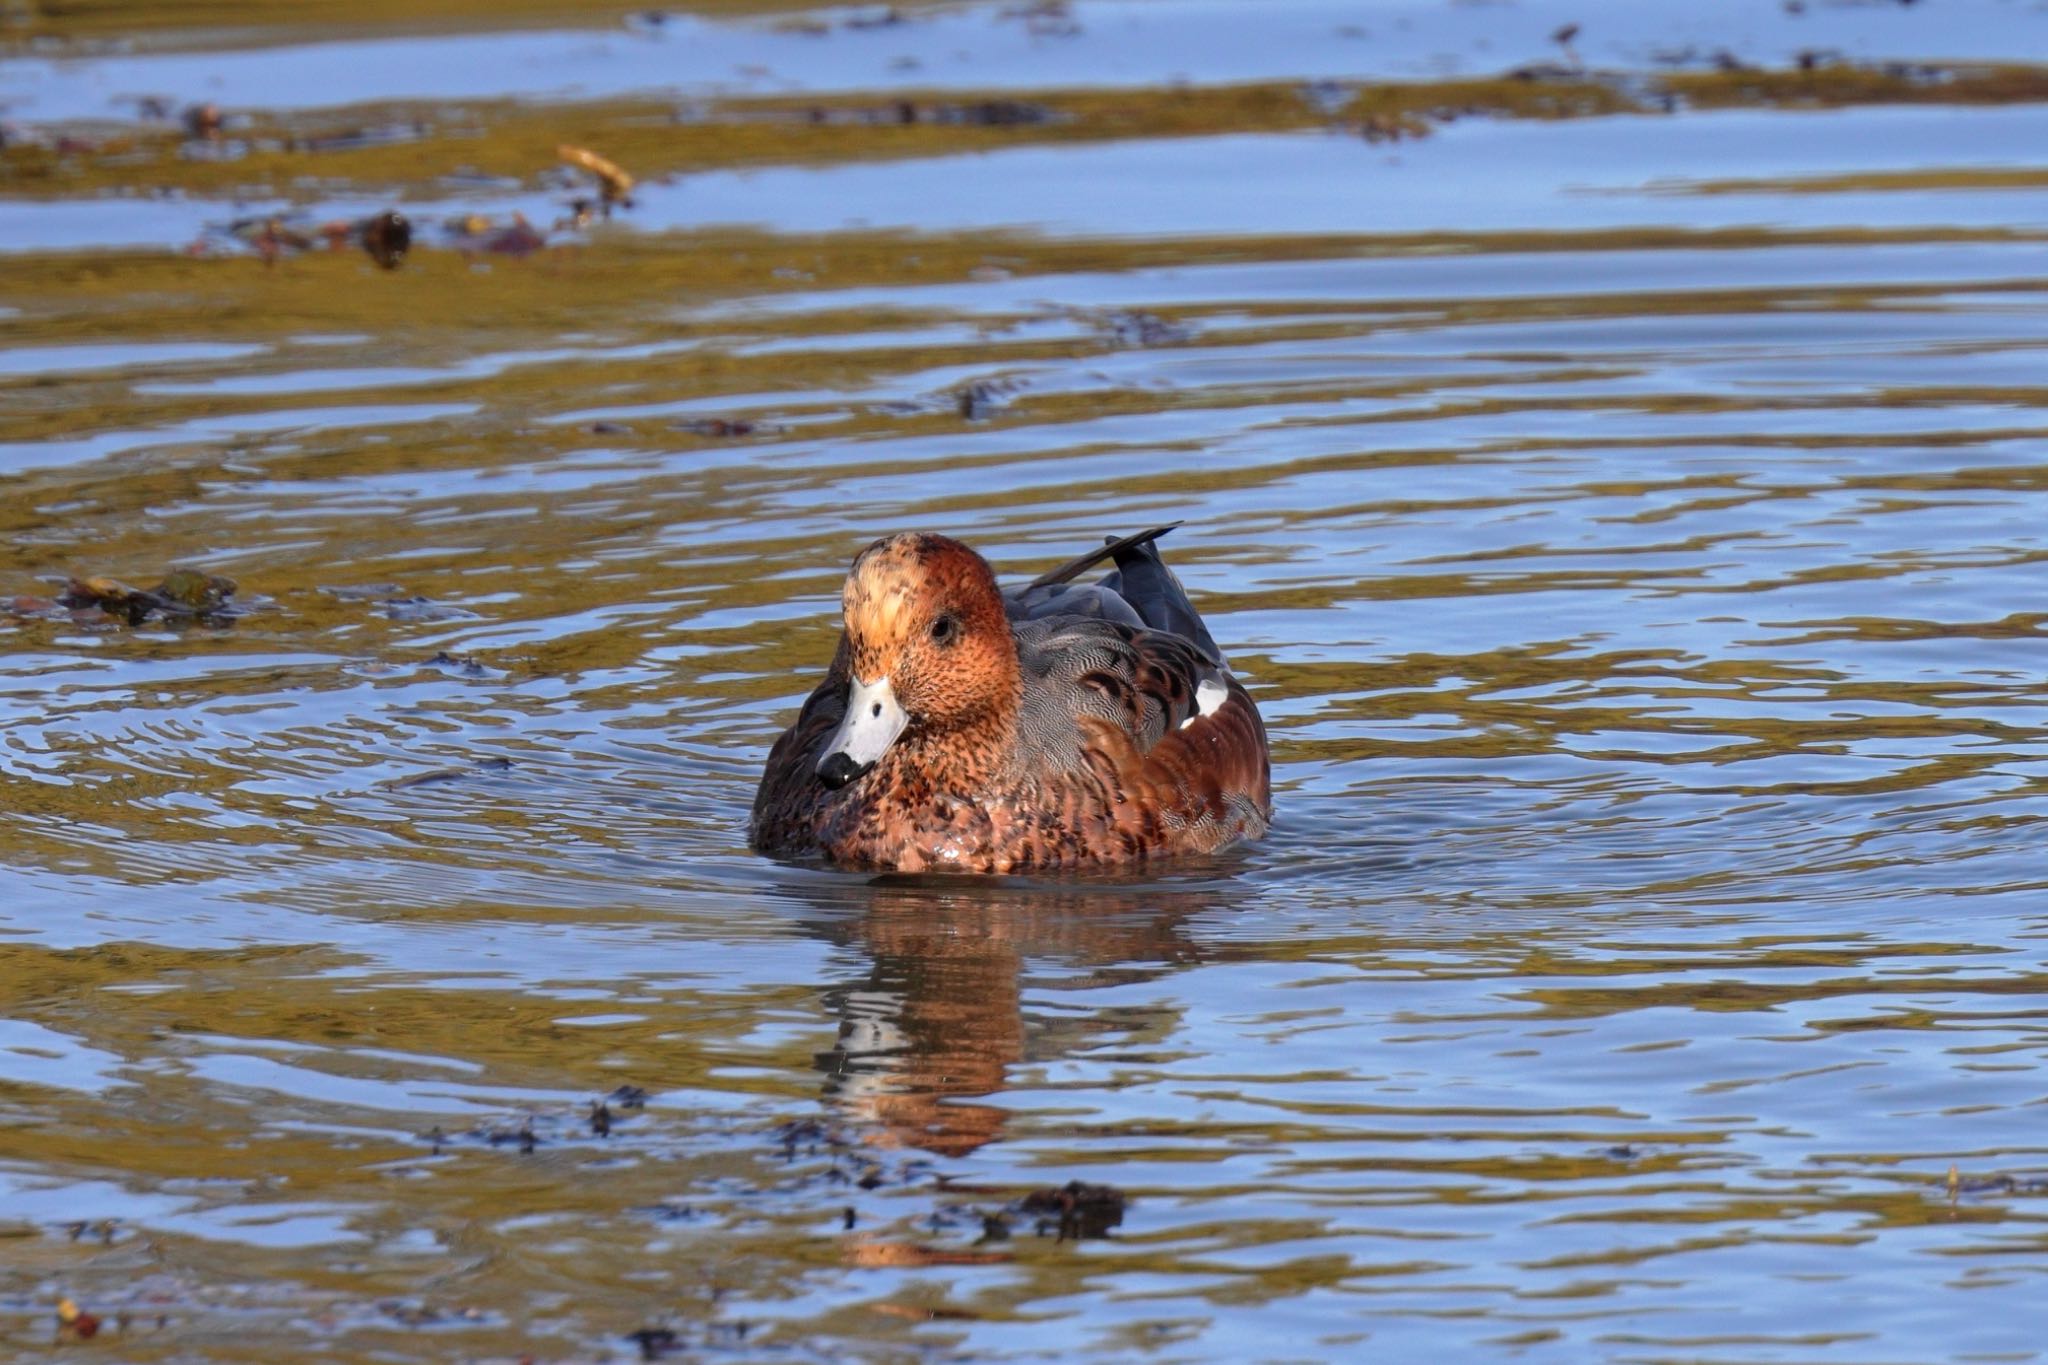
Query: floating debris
[1076, 1209]
[449, 774]
[365, 592]
[459, 663]
[996, 113]
[655, 1342]
[353, 139]
[886, 17]
[75, 1323]
[669, 1211]
[1957, 1184]
[921, 1313]
[612, 179]
[1540, 72]
[415, 1313]
[719, 426]
[879, 1254]
[184, 595]
[270, 238]
[524, 1136]
[1128, 329]
[476, 232]
[203, 121]
[564, 1125]
[420, 608]
[805, 1133]
[387, 237]
[983, 399]
[1045, 18]
[196, 592]
[1399, 126]
[517, 238]
[1563, 38]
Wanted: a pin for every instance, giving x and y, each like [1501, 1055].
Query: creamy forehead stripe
[877, 592]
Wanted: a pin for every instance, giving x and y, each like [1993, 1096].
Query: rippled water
[1626, 501]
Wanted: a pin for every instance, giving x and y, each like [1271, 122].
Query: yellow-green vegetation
[257, 23]
[418, 150]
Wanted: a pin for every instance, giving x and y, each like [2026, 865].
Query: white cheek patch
[1210, 695]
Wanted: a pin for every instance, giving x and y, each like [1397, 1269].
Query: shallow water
[1622, 489]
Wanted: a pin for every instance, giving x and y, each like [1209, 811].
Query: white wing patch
[1210, 694]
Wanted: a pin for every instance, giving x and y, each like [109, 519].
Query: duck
[1058, 726]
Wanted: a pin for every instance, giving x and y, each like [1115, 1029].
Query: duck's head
[928, 648]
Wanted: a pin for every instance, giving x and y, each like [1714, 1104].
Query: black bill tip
[838, 769]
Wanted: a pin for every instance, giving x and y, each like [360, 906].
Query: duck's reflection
[939, 1020]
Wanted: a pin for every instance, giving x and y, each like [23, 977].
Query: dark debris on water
[184, 597]
[983, 399]
[664, 1343]
[723, 427]
[393, 602]
[452, 773]
[1128, 329]
[385, 237]
[598, 1118]
[1076, 1209]
[1957, 1184]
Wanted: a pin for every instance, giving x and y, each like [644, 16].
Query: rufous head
[928, 646]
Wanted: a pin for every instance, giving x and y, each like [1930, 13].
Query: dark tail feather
[1115, 549]
[1161, 602]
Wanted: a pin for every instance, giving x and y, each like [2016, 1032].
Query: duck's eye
[946, 629]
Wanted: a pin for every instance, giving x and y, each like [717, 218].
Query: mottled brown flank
[1053, 744]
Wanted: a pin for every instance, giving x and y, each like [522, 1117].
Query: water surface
[1619, 481]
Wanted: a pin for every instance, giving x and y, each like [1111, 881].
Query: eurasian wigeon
[1059, 725]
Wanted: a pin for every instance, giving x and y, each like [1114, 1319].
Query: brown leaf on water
[109, 595]
[612, 178]
[73, 1321]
